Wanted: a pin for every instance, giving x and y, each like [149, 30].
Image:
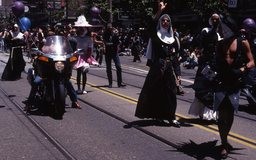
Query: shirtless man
[234, 59]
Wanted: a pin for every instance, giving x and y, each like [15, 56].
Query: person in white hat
[84, 42]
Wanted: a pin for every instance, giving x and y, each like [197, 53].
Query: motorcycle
[52, 69]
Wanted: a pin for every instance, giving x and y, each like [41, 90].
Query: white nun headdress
[165, 35]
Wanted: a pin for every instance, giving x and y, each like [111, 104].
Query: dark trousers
[115, 57]
[71, 91]
[80, 73]
[225, 121]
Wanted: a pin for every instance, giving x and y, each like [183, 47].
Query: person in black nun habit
[202, 105]
[158, 99]
[16, 63]
[231, 65]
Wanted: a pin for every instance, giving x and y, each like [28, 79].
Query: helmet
[249, 25]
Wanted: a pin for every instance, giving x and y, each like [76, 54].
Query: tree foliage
[207, 7]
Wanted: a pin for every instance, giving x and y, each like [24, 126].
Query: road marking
[144, 71]
[210, 128]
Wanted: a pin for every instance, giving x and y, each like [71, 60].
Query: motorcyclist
[34, 79]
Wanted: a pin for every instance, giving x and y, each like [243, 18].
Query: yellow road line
[210, 128]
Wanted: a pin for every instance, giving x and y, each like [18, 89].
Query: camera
[209, 73]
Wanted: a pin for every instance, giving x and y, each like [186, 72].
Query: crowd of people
[224, 56]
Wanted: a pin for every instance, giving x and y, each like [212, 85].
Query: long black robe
[16, 63]
[158, 95]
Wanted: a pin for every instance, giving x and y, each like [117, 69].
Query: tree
[205, 8]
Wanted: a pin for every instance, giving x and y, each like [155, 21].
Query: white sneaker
[84, 92]
[175, 123]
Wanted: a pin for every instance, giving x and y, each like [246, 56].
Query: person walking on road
[83, 41]
[111, 40]
[202, 105]
[158, 99]
[233, 60]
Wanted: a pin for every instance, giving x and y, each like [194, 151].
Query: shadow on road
[153, 122]
[204, 150]
[250, 109]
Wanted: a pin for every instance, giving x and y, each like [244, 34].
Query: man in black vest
[111, 40]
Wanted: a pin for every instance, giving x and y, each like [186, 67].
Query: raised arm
[161, 7]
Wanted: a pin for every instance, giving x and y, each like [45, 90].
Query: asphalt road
[106, 127]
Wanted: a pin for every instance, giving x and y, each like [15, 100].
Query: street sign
[50, 5]
[232, 3]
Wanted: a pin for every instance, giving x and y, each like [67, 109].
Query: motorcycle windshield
[57, 46]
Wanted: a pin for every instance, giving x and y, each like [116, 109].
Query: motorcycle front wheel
[60, 101]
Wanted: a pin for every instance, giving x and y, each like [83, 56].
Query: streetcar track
[128, 124]
[50, 138]
[236, 137]
[61, 148]
[138, 87]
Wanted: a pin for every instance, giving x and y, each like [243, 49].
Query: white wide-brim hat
[82, 22]
[16, 26]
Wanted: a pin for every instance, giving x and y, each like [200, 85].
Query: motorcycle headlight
[59, 66]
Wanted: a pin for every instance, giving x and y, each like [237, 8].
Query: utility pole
[110, 12]
[66, 10]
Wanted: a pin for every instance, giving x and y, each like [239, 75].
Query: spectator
[111, 40]
[136, 47]
[99, 46]
[16, 63]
